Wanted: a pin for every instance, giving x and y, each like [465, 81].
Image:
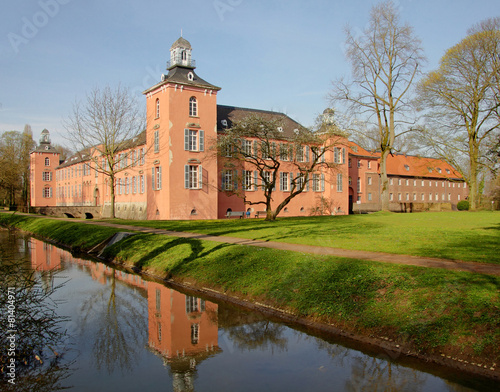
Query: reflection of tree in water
[250, 330]
[372, 374]
[119, 322]
[42, 350]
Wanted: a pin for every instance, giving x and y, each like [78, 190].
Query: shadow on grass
[181, 251]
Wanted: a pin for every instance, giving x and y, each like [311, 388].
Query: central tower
[181, 126]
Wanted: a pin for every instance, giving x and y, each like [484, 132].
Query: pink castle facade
[170, 171]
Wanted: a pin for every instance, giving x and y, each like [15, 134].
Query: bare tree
[257, 144]
[105, 124]
[14, 164]
[385, 61]
[462, 101]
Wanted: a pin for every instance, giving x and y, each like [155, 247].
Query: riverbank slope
[448, 317]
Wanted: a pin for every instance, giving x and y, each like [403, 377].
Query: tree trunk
[384, 181]
[112, 192]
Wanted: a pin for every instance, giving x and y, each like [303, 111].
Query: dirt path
[456, 265]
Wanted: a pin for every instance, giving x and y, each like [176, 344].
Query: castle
[169, 173]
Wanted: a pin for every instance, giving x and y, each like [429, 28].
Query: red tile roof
[410, 165]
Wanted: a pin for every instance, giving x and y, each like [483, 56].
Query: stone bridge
[81, 212]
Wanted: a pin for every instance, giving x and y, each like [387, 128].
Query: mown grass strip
[468, 236]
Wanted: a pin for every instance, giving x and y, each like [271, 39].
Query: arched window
[183, 55]
[157, 108]
[47, 162]
[193, 109]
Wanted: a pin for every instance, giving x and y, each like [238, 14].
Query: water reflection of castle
[182, 329]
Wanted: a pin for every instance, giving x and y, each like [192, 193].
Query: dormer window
[193, 107]
[224, 123]
[190, 76]
[407, 168]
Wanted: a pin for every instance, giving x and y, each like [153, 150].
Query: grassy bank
[469, 236]
[425, 310]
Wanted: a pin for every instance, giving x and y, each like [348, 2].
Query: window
[423, 183]
[47, 192]
[399, 196]
[134, 185]
[399, 181]
[369, 180]
[339, 182]
[157, 108]
[194, 140]
[414, 182]
[142, 157]
[391, 197]
[407, 168]
[407, 182]
[299, 154]
[156, 178]
[193, 107]
[47, 162]
[359, 185]
[156, 141]
[47, 176]
[391, 181]
[284, 182]
[369, 164]
[283, 152]
[191, 304]
[193, 176]
[300, 180]
[414, 197]
[350, 180]
[369, 196]
[195, 333]
[247, 180]
[247, 147]
[359, 164]
[349, 162]
[266, 180]
[407, 197]
[430, 196]
[336, 155]
[142, 183]
[264, 147]
[227, 180]
[316, 182]
[422, 197]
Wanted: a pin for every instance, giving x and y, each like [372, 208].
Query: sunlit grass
[469, 236]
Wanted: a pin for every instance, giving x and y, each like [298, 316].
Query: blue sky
[273, 55]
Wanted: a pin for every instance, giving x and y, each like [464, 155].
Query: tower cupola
[180, 55]
[45, 137]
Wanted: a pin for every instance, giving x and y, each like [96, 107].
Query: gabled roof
[421, 167]
[226, 115]
[410, 165]
[84, 155]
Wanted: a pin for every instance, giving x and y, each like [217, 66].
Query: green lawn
[469, 236]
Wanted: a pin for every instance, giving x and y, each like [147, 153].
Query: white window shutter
[186, 139]
[202, 140]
